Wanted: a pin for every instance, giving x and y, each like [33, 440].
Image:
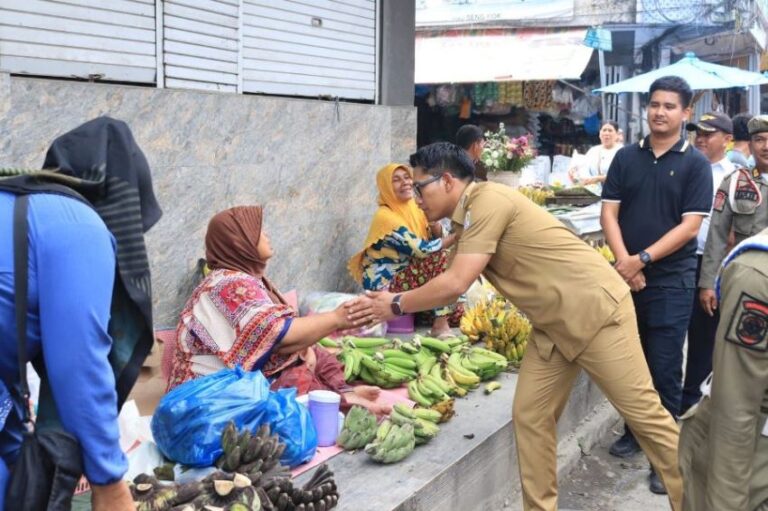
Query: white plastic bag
[319, 301]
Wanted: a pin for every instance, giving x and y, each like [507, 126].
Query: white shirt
[598, 160]
[719, 171]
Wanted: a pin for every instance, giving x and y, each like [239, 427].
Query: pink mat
[390, 397]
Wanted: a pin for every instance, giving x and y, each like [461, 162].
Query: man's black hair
[468, 135]
[673, 84]
[444, 157]
[740, 131]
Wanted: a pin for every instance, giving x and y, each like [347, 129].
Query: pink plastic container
[401, 324]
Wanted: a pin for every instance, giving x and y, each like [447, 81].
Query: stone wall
[311, 163]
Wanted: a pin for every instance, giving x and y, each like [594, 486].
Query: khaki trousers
[614, 360]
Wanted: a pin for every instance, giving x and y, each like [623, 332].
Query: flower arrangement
[504, 153]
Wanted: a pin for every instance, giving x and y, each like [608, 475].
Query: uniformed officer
[724, 439]
[581, 311]
[741, 205]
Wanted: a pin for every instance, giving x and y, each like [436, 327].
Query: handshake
[365, 310]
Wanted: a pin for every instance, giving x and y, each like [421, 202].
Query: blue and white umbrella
[700, 75]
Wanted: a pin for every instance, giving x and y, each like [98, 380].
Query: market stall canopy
[459, 56]
[700, 75]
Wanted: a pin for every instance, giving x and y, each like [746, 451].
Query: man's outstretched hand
[370, 309]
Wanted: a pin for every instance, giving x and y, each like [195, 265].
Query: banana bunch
[375, 361]
[483, 362]
[430, 388]
[392, 443]
[605, 251]
[500, 325]
[359, 429]
[536, 194]
[438, 346]
[423, 420]
[230, 492]
[247, 453]
[460, 375]
[319, 494]
[151, 495]
[445, 409]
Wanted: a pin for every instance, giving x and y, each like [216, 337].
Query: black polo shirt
[655, 194]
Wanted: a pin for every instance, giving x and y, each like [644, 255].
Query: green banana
[415, 395]
[367, 342]
[405, 363]
[433, 344]
[426, 428]
[400, 420]
[383, 430]
[394, 353]
[327, 342]
[404, 410]
[426, 414]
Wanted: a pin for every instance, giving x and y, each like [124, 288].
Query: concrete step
[471, 464]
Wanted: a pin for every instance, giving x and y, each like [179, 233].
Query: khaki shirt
[567, 290]
[737, 205]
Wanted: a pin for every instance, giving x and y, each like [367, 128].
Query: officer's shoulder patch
[719, 202]
[749, 324]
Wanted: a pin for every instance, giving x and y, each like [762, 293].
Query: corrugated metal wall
[112, 39]
[201, 44]
[321, 47]
[288, 47]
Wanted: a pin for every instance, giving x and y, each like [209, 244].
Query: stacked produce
[605, 251]
[390, 364]
[500, 326]
[423, 420]
[392, 442]
[359, 429]
[149, 494]
[536, 194]
[251, 479]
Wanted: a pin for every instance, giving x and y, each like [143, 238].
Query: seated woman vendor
[237, 317]
[402, 251]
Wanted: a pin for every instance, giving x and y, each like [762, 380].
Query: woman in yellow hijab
[402, 251]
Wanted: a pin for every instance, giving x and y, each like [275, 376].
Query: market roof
[458, 56]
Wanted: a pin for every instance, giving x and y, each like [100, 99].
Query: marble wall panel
[311, 163]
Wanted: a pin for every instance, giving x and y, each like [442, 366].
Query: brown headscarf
[232, 243]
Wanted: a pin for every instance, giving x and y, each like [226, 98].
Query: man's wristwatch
[395, 305]
[645, 257]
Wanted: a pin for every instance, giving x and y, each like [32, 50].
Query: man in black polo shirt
[655, 197]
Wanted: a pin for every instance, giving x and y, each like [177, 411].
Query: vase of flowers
[506, 156]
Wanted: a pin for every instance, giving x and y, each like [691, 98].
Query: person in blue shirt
[86, 278]
[655, 197]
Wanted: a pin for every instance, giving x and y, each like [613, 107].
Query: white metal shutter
[111, 39]
[200, 39]
[310, 48]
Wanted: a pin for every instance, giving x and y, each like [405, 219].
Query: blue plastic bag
[189, 420]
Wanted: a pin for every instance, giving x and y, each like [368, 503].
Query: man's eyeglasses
[418, 185]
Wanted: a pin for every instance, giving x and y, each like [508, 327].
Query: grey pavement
[601, 482]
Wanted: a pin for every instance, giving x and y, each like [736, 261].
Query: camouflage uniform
[724, 438]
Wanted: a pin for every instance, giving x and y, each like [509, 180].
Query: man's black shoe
[656, 486]
[625, 447]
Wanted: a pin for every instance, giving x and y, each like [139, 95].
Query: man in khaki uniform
[741, 204]
[724, 439]
[580, 308]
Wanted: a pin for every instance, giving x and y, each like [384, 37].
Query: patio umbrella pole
[601, 61]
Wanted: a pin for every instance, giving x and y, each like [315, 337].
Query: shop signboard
[465, 12]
